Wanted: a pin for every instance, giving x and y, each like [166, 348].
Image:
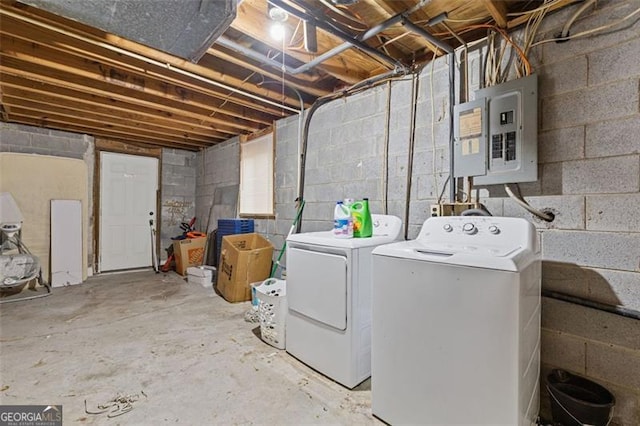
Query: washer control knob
[469, 228]
[494, 229]
[448, 228]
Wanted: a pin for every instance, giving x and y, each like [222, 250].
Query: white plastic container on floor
[202, 275]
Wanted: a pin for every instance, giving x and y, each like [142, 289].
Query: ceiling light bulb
[277, 31]
[277, 14]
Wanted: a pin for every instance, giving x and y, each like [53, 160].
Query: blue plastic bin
[231, 227]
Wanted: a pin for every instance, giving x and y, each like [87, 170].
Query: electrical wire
[385, 161]
[230, 94]
[462, 21]
[444, 188]
[567, 26]
[342, 13]
[494, 63]
[523, 203]
[589, 32]
[433, 122]
[544, 7]
[530, 32]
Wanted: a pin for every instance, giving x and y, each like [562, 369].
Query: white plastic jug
[342, 222]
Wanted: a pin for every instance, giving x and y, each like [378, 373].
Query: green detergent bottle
[362, 226]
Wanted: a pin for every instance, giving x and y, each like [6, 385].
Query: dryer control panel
[386, 225]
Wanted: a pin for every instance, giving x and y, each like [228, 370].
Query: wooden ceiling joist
[62, 74]
[63, 123]
[134, 79]
[64, 96]
[64, 118]
[72, 38]
[498, 11]
[133, 126]
[75, 81]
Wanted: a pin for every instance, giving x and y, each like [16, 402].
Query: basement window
[256, 175]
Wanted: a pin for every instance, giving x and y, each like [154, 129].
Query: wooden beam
[74, 81]
[35, 119]
[134, 79]
[99, 39]
[102, 144]
[94, 125]
[24, 96]
[134, 126]
[30, 89]
[498, 11]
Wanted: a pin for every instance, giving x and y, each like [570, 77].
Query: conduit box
[508, 139]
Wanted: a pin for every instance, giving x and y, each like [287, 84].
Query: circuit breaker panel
[508, 117]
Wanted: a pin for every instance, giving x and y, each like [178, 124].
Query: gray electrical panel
[509, 136]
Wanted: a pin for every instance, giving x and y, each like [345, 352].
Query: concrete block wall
[215, 167]
[178, 172]
[345, 157]
[24, 139]
[178, 188]
[589, 176]
[345, 154]
[37, 140]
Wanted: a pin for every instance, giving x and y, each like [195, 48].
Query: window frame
[245, 139]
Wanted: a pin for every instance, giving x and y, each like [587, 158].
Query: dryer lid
[386, 229]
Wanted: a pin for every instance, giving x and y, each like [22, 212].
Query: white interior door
[128, 185]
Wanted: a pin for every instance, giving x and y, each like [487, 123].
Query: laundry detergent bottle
[342, 221]
[362, 226]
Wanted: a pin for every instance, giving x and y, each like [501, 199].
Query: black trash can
[576, 401]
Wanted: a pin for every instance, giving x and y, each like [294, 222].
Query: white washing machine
[456, 324]
[329, 297]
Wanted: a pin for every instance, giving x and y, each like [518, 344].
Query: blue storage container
[231, 227]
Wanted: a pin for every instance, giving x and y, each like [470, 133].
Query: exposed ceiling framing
[61, 74]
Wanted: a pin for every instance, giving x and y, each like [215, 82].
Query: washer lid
[499, 258]
[499, 243]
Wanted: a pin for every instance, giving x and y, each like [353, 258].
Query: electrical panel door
[509, 121]
[470, 139]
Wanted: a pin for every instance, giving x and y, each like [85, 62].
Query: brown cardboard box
[244, 259]
[188, 252]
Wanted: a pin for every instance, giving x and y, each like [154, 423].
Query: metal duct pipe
[426, 35]
[400, 18]
[250, 53]
[334, 31]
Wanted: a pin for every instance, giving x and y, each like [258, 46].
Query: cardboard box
[244, 259]
[187, 253]
[202, 275]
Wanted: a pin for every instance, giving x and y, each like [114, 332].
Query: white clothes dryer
[328, 325]
[456, 324]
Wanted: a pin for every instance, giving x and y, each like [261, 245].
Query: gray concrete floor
[188, 350]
